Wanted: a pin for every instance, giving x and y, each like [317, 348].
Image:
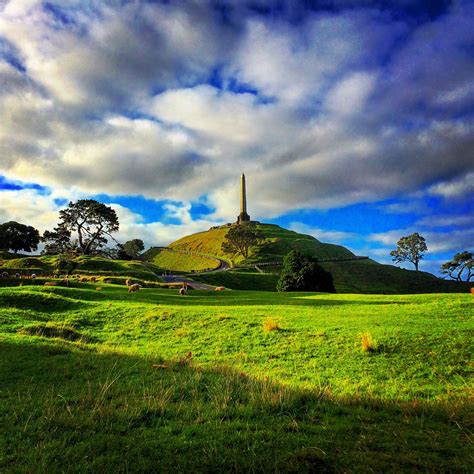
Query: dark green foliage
[240, 238]
[133, 248]
[302, 273]
[460, 267]
[90, 221]
[410, 249]
[57, 241]
[15, 236]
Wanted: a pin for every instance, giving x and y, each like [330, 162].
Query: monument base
[243, 217]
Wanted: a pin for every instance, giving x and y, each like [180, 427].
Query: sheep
[83, 279]
[133, 288]
[219, 288]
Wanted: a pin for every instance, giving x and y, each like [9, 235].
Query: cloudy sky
[352, 120]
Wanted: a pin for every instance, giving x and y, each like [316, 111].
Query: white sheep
[133, 288]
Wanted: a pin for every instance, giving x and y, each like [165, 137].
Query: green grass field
[179, 262]
[103, 381]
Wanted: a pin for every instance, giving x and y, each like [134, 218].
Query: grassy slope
[279, 242]
[363, 276]
[180, 262]
[94, 402]
[82, 265]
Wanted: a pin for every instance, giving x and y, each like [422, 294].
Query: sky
[352, 120]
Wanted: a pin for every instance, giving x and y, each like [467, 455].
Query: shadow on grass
[60, 298]
[66, 407]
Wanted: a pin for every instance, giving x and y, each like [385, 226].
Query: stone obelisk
[243, 216]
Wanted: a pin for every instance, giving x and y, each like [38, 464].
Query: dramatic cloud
[321, 108]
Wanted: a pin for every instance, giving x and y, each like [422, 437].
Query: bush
[302, 273]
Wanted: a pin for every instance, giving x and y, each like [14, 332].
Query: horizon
[352, 121]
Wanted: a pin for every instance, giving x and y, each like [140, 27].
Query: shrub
[302, 273]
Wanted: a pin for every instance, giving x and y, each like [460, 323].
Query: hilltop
[351, 274]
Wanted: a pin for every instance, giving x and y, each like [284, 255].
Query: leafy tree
[15, 236]
[58, 241]
[460, 268]
[410, 249]
[134, 247]
[90, 221]
[302, 273]
[240, 238]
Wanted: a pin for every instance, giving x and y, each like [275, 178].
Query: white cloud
[116, 101]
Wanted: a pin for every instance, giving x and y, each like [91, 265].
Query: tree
[15, 236]
[302, 273]
[90, 221]
[134, 247]
[460, 268]
[240, 238]
[58, 241]
[410, 249]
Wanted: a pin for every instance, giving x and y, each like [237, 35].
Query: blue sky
[353, 120]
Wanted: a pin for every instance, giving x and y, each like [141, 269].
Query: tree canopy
[240, 238]
[460, 268]
[15, 236]
[410, 249]
[302, 273]
[84, 227]
[133, 247]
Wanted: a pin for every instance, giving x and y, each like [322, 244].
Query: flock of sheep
[63, 280]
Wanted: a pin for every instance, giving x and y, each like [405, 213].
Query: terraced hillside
[180, 261]
[278, 242]
[358, 276]
[84, 265]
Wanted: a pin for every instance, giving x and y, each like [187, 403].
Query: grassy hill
[278, 242]
[179, 261]
[106, 381]
[84, 265]
[359, 276]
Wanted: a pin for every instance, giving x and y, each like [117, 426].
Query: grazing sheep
[219, 288]
[133, 288]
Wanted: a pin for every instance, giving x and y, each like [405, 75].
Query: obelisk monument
[243, 216]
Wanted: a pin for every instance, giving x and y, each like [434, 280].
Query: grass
[84, 265]
[240, 280]
[180, 262]
[104, 381]
[360, 276]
